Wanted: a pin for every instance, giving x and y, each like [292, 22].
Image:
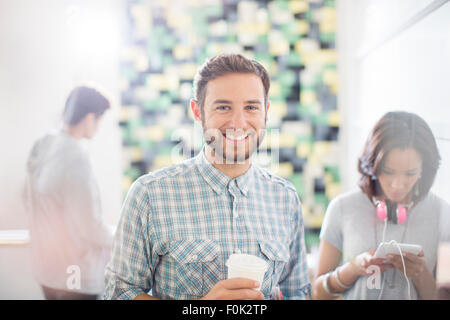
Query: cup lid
[247, 261]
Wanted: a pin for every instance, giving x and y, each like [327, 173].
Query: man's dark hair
[225, 64]
[81, 101]
[398, 130]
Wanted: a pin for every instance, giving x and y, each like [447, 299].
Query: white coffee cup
[242, 265]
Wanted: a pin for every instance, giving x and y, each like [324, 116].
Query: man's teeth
[236, 138]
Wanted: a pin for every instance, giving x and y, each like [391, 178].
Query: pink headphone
[382, 211]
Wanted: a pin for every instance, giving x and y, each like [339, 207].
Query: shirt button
[235, 214]
[238, 251]
[194, 257]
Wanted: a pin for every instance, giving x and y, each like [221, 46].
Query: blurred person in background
[69, 240]
[398, 167]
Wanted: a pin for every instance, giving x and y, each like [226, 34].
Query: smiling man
[180, 224]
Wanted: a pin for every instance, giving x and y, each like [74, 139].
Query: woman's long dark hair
[398, 130]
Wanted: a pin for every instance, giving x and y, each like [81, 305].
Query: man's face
[91, 125]
[234, 116]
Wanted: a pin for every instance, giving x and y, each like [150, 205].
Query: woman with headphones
[393, 202]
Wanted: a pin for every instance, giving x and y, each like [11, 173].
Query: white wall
[409, 71]
[46, 48]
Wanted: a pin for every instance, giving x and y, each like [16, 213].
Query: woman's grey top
[352, 226]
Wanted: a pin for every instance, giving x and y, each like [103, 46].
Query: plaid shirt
[180, 224]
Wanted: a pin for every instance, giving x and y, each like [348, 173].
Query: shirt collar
[245, 181]
[218, 180]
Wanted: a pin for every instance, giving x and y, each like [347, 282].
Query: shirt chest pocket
[197, 265]
[277, 256]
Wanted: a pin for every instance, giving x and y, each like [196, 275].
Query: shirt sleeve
[444, 222]
[130, 271]
[27, 192]
[82, 207]
[331, 230]
[295, 283]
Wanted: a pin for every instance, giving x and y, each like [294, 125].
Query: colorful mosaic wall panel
[166, 41]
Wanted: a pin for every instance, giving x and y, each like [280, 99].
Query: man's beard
[225, 152]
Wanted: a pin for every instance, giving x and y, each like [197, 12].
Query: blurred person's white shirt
[68, 235]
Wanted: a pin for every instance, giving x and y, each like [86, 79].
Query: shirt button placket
[235, 217]
[235, 199]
